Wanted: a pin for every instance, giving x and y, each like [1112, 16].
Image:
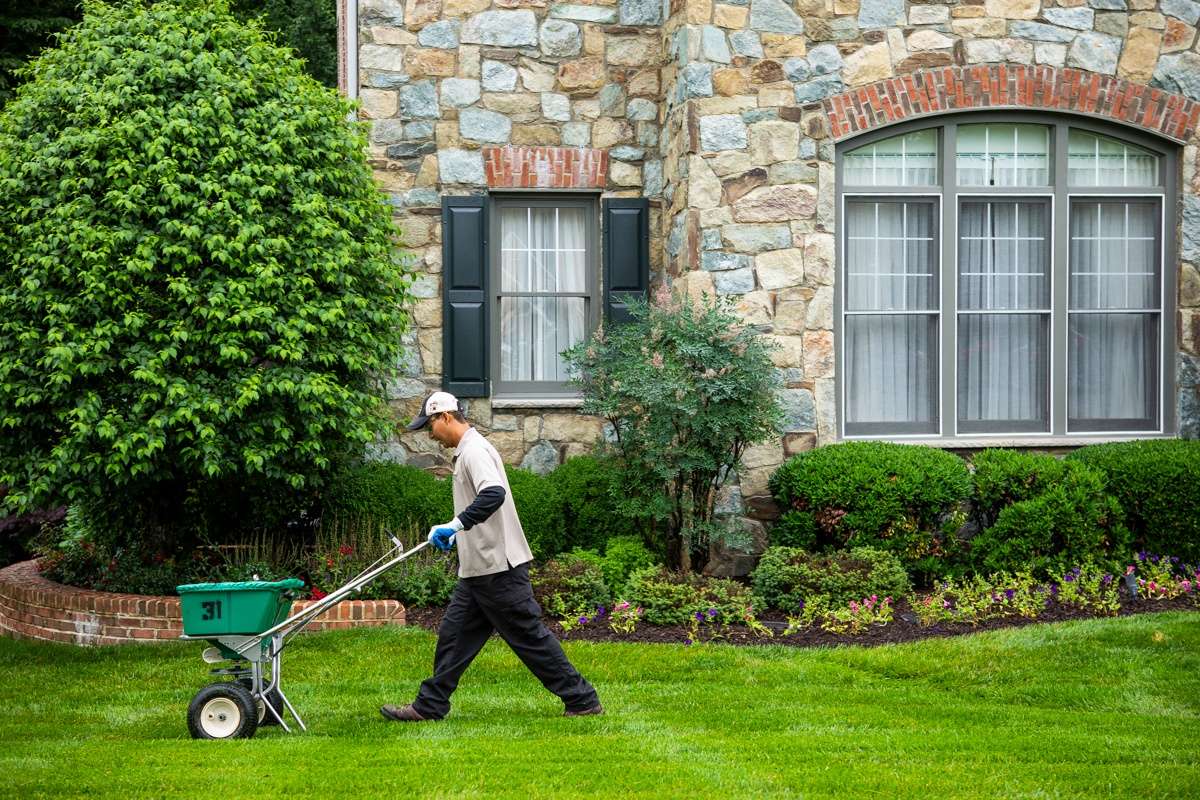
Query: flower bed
[32, 607]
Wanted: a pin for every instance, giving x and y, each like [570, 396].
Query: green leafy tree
[686, 389]
[198, 279]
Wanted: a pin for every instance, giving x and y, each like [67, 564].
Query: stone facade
[725, 115]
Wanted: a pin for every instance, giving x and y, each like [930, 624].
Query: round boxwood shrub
[1157, 482]
[1043, 514]
[624, 555]
[198, 289]
[904, 499]
[588, 487]
[540, 511]
[673, 598]
[569, 584]
[785, 576]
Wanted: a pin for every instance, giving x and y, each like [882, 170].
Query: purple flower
[801, 606]
[1107, 579]
[1153, 559]
[1174, 559]
[712, 612]
[1069, 577]
[700, 616]
[1008, 594]
[583, 620]
[688, 642]
[1053, 588]
[1141, 556]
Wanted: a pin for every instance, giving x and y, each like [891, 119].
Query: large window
[1003, 276]
[544, 283]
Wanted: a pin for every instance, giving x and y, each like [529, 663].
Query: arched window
[1003, 275]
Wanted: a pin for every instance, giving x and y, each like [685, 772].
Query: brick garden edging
[32, 607]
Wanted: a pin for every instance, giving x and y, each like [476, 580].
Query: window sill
[980, 442]
[516, 401]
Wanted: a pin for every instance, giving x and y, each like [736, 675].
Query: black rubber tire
[273, 696]
[244, 706]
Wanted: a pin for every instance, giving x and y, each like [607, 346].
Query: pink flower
[1185, 585]
[945, 604]
[853, 606]
[657, 361]
[1129, 569]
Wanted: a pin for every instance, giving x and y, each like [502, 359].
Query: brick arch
[1013, 86]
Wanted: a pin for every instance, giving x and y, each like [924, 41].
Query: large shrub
[686, 388]
[786, 576]
[395, 496]
[673, 598]
[901, 498]
[1042, 514]
[1157, 482]
[198, 286]
[624, 555]
[589, 488]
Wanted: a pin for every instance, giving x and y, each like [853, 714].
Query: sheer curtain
[1003, 357]
[891, 358]
[543, 255]
[1114, 319]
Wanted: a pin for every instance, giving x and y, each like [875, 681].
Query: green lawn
[1099, 708]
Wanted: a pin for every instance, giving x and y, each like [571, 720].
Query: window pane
[1004, 256]
[908, 160]
[543, 251]
[1114, 255]
[891, 255]
[1096, 160]
[533, 333]
[1112, 362]
[1003, 155]
[1003, 373]
[891, 365]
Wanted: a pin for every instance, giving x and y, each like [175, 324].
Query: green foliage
[1157, 483]
[624, 555]
[674, 598]
[589, 487]
[785, 576]
[569, 584]
[539, 509]
[686, 389]
[198, 284]
[901, 498]
[395, 496]
[1043, 514]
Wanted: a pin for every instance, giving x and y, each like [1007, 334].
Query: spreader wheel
[276, 702]
[223, 710]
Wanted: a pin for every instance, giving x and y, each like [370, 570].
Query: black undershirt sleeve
[485, 504]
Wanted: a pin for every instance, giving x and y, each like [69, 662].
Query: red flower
[329, 562]
[345, 549]
[317, 594]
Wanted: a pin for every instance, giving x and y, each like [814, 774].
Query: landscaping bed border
[32, 607]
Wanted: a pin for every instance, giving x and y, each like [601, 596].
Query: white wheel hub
[220, 717]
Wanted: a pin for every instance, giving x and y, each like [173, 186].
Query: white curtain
[543, 251]
[1003, 358]
[891, 359]
[1101, 161]
[1113, 357]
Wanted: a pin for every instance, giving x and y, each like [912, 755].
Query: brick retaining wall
[32, 607]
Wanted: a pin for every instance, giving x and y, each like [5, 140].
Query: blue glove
[442, 536]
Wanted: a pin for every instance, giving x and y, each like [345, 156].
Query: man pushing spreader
[493, 591]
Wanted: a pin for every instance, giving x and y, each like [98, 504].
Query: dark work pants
[502, 602]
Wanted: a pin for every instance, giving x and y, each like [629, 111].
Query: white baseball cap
[436, 403]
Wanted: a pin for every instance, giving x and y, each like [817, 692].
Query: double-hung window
[528, 276]
[1004, 275]
[545, 284]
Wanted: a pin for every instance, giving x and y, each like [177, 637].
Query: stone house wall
[726, 116]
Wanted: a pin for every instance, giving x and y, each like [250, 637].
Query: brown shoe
[595, 710]
[401, 714]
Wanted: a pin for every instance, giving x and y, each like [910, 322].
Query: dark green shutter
[464, 310]
[626, 254]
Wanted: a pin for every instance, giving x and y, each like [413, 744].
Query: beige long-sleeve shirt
[498, 542]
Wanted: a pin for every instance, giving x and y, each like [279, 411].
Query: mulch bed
[903, 628]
